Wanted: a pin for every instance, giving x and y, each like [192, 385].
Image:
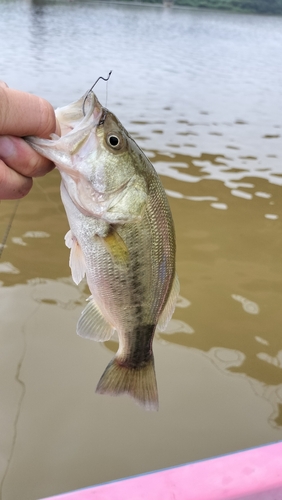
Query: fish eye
[114, 141]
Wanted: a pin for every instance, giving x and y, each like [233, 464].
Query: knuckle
[13, 186]
[4, 108]
[38, 166]
[3, 174]
[47, 123]
[24, 188]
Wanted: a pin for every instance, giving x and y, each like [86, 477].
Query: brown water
[201, 94]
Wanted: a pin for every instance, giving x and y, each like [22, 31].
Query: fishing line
[107, 92]
[8, 228]
[90, 90]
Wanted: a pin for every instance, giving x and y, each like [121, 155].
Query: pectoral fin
[77, 261]
[92, 324]
[170, 305]
[116, 247]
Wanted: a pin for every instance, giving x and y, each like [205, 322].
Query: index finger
[24, 114]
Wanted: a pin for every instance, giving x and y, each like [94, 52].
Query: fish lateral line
[123, 241]
[137, 349]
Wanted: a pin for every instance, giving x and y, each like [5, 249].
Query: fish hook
[90, 90]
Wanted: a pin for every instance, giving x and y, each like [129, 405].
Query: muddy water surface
[201, 94]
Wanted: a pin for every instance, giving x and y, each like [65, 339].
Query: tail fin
[139, 383]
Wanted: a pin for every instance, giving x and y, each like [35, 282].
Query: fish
[121, 238]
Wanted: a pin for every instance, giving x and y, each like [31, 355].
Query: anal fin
[92, 324]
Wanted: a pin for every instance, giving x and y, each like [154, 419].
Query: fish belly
[130, 273]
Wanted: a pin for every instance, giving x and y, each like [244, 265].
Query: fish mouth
[81, 115]
[95, 109]
[103, 116]
[85, 186]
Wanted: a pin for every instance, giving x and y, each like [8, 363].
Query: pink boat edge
[253, 474]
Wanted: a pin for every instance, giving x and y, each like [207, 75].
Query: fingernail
[7, 147]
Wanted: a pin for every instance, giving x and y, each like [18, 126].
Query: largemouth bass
[121, 237]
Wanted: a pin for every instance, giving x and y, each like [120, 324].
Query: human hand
[22, 114]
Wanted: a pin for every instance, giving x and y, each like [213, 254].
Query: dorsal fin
[170, 305]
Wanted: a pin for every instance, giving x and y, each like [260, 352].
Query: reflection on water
[248, 306]
[204, 106]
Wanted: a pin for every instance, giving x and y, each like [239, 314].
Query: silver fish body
[121, 237]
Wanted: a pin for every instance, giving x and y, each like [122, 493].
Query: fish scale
[121, 237]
